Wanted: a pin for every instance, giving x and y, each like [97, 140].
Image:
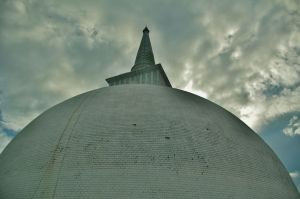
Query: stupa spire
[144, 70]
[144, 55]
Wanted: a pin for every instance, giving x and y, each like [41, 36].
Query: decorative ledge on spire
[144, 70]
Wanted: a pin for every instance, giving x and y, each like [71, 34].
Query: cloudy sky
[241, 54]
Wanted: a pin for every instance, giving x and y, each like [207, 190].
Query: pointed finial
[144, 55]
[146, 30]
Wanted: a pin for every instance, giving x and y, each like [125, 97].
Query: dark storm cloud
[47, 56]
[233, 52]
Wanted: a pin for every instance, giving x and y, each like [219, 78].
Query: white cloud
[254, 70]
[294, 175]
[293, 128]
[189, 88]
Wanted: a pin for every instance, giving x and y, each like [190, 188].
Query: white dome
[141, 141]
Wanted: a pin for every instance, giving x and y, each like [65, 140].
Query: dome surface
[141, 141]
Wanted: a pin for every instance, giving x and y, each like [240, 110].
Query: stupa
[141, 138]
